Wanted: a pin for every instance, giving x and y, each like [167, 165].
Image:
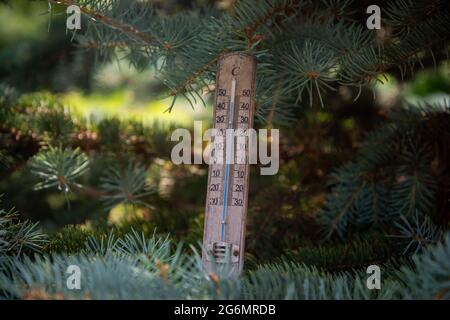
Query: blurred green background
[42, 66]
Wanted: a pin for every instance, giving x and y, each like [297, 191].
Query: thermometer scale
[228, 178]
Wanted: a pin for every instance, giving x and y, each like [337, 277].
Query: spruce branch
[125, 185]
[396, 172]
[417, 233]
[59, 168]
[88, 7]
[17, 237]
[305, 69]
[188, 45]
[429, 277]
[161, 273]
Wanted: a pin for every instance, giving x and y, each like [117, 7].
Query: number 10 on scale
[228, 178]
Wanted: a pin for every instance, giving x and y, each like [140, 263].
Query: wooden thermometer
[228, 178]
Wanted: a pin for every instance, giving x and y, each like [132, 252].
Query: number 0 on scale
[226, 203]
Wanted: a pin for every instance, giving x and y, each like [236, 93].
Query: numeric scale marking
[226, 204]
[229, 145]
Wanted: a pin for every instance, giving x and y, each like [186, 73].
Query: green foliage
[396, 172]
[5, 161]
[36, 56]
[302, 46]
[109, 261]
[109, 131]
[314, 72]
[43, 115]
[417, 232]
[358, 252]
[59, 168]
[8, 97]
[429, 277]
[37, 120]
[55, 121]
[17, 238]
[162, 271]
[69, 240]
[396, 186]
[293, 281]
[125, 185]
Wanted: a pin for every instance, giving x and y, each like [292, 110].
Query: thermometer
[228, 177]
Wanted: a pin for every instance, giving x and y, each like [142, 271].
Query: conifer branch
[111, 22]
[197, 74]
[287, 7]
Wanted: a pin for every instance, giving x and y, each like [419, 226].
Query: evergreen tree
[397, 186]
